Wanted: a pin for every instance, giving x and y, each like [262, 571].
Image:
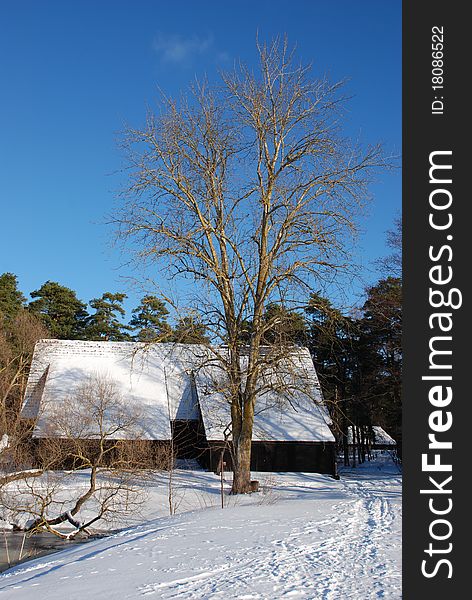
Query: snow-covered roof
[154, 379]
[289, 405]
[174, 381]
[381, 437]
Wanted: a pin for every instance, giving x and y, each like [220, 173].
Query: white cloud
[176, 49]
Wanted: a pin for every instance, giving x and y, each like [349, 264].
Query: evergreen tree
[332, 339]
[11, 299]
[150, 320]
[359, 361]
[59, 309]
[281, 326]
[331, 336]
[190, 331]
[246, 330]
[380, 354]
[284, 326]
[105, 323]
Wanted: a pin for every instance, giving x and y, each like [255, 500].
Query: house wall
[189, 439]
[140, 453]
[311, 457]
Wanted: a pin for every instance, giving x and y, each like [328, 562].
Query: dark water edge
[38, 545]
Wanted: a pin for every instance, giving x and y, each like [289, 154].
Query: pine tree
[380, 353]
[281, 325]
[190, 331]
[11, 299]
[59, 309]
[105, 323]
[150, 320]
[284, 326]
[330, 340]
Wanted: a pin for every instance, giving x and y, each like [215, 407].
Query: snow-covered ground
[304, 536]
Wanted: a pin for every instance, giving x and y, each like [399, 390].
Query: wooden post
[222, 469]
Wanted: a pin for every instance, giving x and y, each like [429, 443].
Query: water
[34, 546]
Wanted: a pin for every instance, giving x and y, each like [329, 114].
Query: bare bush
[90, 462]
[269, 486]
[17, 339]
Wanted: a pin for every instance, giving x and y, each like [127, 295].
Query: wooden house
[178, 392]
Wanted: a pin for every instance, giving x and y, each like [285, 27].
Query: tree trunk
[359, 444]
[353, 445]
[346, 442]
[361, 436]
[242, 453]
[242, 468]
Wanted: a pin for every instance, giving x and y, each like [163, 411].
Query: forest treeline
[358, 356]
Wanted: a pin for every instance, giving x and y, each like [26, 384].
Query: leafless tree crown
[250, 190]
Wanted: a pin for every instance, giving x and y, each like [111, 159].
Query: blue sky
[74, 73]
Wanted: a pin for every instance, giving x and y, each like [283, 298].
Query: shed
[378, 438]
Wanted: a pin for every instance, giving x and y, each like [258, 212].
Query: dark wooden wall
[311, 457]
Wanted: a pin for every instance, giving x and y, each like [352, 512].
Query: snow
[172, 381]
[381, 437]
[154, 379]
[305, 535]
[292, 411]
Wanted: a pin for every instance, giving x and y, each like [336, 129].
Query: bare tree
[18, 336]
[391, 265]
[89, 463]
[17, 340]
[249, 189]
